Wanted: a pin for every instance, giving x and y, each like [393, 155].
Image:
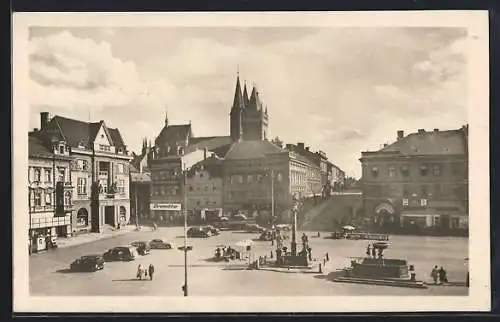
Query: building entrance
[109, 215]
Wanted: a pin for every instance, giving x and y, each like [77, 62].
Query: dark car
[142, 247]
[198, 232]
[213, 230]
[88, 263]
[160, 244]
[125, 254]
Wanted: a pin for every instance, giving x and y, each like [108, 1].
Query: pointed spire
[238, 98]
[245, 95]
[254, 99]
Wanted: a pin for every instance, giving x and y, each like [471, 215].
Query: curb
[380, 282]
[94, 240]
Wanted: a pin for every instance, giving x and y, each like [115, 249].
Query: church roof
[238, 102]
[245, 95]
[255, 103]
[431, 143]
[251, 150]
[175, 131]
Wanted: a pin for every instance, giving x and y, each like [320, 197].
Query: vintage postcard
[251, 162]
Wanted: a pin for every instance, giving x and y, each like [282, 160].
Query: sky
[338, 90]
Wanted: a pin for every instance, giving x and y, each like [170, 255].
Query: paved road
[49, 275]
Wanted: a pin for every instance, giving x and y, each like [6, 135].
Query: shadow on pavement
[215, 260]
[67, 270]
[330, 276]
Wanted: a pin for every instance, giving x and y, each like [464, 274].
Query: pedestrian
[151, 270]
[435, 274]
[139, 272]
[368, 250]
[374, 252]
[309, 250]
[442, 276]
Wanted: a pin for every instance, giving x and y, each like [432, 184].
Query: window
[37, 175]
[61, 175]
[423, 170]
[423, 191]
[82, 217]
[81, 164]
[104, 147]
[191, 188]
[48, 199]
[374, 172]
[82, 186]
[392, 171]
[214, 187]
[61, 149]
[38, 198]
[405, 202]
[206, 188]
[250, 178]
[47, 175]
[405, 170]
[120, 168]
[436, 170]
[121, 186]
[239, 178]
[423, 202]
[279, 177]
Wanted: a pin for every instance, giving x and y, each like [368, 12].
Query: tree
[276, 141]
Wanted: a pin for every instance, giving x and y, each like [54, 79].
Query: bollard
[320, 268]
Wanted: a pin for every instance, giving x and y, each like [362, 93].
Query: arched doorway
[385, 214]
[82, 217]
[123, 214]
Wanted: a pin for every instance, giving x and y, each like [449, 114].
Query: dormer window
[374, 172]
[61, 149]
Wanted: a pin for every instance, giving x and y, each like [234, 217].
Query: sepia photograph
[238, 162]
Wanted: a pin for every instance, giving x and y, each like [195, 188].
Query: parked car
[124, 253]
[160, 244]
[213, 230]
[87, 263]
[254, 228]
[142, 247]
[198, 232]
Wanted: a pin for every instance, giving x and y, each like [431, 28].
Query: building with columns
[99, 171]
[418, 182]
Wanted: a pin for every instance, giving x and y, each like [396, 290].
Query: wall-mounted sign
[165, 206]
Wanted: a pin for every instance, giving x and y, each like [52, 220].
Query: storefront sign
[165, 206]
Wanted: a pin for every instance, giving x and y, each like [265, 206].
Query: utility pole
[272, 195]
[185, 232]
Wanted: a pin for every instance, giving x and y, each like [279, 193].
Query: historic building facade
[420, 181]
[99, 171]
[50, 195]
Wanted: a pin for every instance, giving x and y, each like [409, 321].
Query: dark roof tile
[251, 150]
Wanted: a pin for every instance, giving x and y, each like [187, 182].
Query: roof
[238, 102]
[217, 144]
[180, 131]
[251, 150]
[451, 142]
[77, 133]
[38, 148]
[255, 103]
[213, 165]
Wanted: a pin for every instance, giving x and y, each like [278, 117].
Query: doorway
[109, 215]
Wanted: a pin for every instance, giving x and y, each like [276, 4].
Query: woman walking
[139, 272]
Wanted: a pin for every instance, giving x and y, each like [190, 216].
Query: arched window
[37, 175]
[82, 217]
[123, 214]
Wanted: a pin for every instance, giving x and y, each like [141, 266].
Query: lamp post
[272, 195]
[294, 228]
[185, 288]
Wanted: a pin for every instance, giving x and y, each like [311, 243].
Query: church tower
[236, 114]
[255, 118]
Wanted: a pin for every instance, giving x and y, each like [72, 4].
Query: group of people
[143, 272]
[439, 276]
[227, 253]
[374, 252]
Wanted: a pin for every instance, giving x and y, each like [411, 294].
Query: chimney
[307, 148]
[421, 131]
[300, 146]
[44, 120]
[401, 134]
[436, 130]
[205, 152]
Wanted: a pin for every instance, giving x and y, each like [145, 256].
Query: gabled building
[99, 171]
[50, 188]
[140, 184]
[418, 182]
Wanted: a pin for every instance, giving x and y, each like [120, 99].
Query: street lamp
[294, 227]
[185, 287]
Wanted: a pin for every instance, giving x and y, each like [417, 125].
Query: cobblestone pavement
[49, 271]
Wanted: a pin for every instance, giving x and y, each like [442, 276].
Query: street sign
[165, 206]
[182, 248]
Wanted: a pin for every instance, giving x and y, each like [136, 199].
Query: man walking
[435, 274]
[151, 270]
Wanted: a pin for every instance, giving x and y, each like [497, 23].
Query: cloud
[341, 90]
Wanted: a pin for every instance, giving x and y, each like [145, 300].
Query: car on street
[87, 263]
[198, 232]
[254, 228]
[142, 247]
[213, 230]
[160, 244]
[122, 253]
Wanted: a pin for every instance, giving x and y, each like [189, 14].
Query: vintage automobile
[160, 244]
[87, 263]
[142, 247]
[213, 230]
[240, 217]
[198, 232]
[254, 228]
[122, 253]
